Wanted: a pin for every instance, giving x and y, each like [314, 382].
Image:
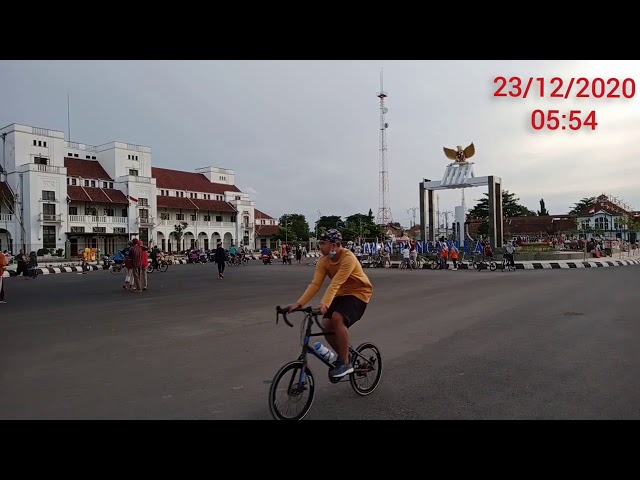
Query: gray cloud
[302, 136]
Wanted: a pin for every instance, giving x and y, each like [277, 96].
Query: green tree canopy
[293, 228]
[510, 207]
[543, 209]
[582, 204]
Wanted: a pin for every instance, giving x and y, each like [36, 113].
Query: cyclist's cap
[331, 236]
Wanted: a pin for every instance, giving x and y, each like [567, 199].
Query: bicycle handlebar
[283, 311]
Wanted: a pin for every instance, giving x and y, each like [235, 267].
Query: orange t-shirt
[3, 263]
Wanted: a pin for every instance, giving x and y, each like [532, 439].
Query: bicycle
[160, 265]
[296, 387]
[506, 264]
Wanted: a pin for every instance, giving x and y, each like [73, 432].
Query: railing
[136, 178]
[145, 220]
[38, 167]
[6, 217]
[93, 219]
[198, 224]
[50, 217]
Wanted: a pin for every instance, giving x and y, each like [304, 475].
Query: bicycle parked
[367, 367]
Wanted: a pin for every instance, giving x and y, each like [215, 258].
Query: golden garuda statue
[460, 155]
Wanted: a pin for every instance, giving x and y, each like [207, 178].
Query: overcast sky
[302, 136]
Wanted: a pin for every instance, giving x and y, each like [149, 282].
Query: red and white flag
[133, 199]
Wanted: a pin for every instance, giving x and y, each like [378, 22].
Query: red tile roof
[179, 203]
[213, 205]
[267, 230]
[188, 181]
[258, 214]
[98, 195]
[534, 225]
[605, 206]
[90, 169]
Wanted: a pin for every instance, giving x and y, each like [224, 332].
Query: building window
[119, 230]
[69, 154]
[76, 155]
[99, 229]
[74, 181]
[93, 157]
[136, 157]
[218, 218]
[44, 144]
[41, 160]
[49, 236]
[109, 212]
[68, 181]
[144, 214]
[164, 216]
[207, 218]
[73, 210]
[179, 216]
[88, 157]
[86, 183]
[133, 172]
[93, 183]
[91, 211]
[104, 184]
[77, 229]
[602, 223]
[143, 202]
[233, 218]
[124, 213]
[48, 196]
[237, 197]
[110, 184]
[194, 218]
[34, 143]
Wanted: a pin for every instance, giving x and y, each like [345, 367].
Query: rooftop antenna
[384, 212]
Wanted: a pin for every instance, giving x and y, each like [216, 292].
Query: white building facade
[62, 196]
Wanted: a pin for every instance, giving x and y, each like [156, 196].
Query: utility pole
[414, 214]
[446, 221]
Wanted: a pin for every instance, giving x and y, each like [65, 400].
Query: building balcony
[6, 217]
[94, 219]
[198, 224]
[50, 217]
[145, 221]
[137, 179]
[38, 167]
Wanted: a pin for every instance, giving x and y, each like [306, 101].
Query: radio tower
[384, 212]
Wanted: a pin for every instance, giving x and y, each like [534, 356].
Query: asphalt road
[542, 344]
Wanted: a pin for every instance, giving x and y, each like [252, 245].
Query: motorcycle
[266, 259]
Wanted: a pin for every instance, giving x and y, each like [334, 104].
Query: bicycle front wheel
[163, 266]
[292, 391]
[367, 369]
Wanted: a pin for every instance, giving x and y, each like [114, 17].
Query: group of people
[135, 256]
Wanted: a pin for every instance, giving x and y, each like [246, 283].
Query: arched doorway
[6, 242]
[161, 242]
[228, 240]
[203, 241]
[215, 238]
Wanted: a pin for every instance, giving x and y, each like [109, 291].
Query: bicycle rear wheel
[286, 385]
[367, 369]
[163, 266]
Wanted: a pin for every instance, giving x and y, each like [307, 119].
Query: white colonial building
[607, 218]
[67, 196]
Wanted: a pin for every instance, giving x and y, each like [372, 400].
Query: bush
[42, 252]
[60, 252]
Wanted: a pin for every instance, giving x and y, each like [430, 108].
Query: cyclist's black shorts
[351, 308]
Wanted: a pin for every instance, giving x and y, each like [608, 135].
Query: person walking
[220, 258]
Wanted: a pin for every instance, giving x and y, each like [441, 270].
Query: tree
[293, 228]
[327, 222]
[178, 233]
[510, 207]
[582, 205]
[543, 210]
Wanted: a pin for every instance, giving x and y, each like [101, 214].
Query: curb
[556, 265]
[74, 268]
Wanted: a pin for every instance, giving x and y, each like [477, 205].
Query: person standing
[135, 254]
[3, 264]
[220, 258]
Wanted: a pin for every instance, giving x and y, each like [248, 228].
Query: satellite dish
[385, 109]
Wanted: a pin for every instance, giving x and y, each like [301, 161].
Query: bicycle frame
[311, 315]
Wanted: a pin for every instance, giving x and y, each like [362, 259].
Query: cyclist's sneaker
[341, 369]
